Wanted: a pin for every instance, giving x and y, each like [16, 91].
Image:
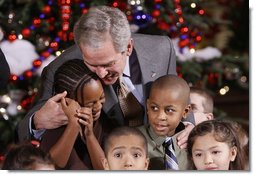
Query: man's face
[105, 61]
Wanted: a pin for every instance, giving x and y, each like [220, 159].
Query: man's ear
[209, 116]
[186, 110]
[105, 163]
[129, 47]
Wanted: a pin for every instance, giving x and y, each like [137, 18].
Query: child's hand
[86, 119]
[182, 138]
[70, 108]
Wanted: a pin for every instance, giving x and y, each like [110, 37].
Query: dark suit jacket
[4, 71]
[155, 55]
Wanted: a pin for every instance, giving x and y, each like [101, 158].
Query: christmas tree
[210, 39]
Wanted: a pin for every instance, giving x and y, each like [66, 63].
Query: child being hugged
[72, 145]
[214, 145]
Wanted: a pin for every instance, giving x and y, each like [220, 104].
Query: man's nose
[101, 71]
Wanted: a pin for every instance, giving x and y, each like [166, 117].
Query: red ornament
[181, 20]
[46, 9]
[37, 63]
[65, 26]
[54, 45]
[201, 12]
[12, 37]
[2, 158]
[28, 74]
[13, 78]
[115, 4]
[184, 30]
[198, 38]
[45, 54]
[213, 78]
[71, 36]
[163, 25]
[156, 13]
[26, 32]
[178, 11]
[183, 43]
[84, 11]
[37, 22]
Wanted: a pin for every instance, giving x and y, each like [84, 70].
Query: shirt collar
[126, 71]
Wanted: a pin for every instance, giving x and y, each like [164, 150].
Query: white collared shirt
[137, 89]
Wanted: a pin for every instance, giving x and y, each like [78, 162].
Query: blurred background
[211, 39]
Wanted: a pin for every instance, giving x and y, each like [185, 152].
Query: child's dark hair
[25, 157]
[223, 131]
[71, 76]
[124, 131]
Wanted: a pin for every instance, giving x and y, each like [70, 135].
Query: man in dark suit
[103, 40]
[4, 71]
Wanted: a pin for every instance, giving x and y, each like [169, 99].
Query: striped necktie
[132, 110]
[170, 157]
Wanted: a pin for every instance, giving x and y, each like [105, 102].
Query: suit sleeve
[4, 71]
[172, 58]
[45, 92]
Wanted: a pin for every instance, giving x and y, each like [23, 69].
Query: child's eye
[154, 108]
[216, 152]
[197, 155]
[169, 110]
[117, 155]
[136, 155]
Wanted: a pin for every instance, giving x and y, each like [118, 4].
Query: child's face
[199, 112]
[93, 97]
[209, 154]
[165, 109]
[126, 153]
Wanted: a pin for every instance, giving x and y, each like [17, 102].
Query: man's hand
[51, 115]
[182, 138]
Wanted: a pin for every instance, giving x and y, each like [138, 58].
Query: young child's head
[202, 104]
[126, 149]
[27, 157]
[81, 85]
[214, 145]
[167, 104]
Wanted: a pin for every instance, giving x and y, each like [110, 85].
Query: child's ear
[147, 103]
[233, 153]
[209, 116]
[147, 163]
[105, 163]
[186, 110]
